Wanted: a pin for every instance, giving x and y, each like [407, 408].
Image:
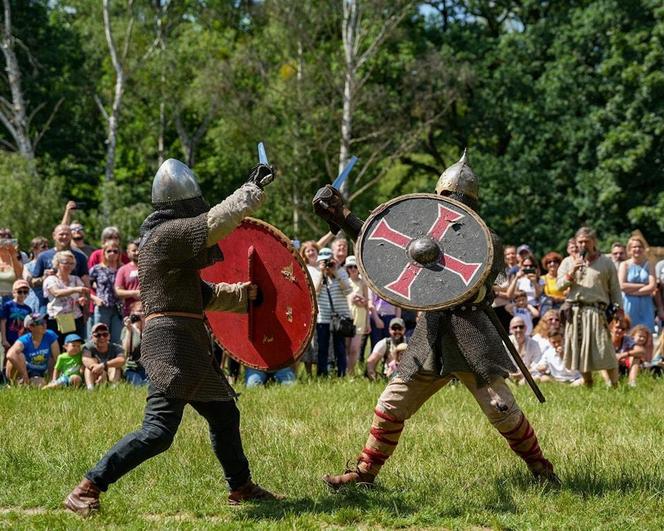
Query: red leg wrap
[387, 416]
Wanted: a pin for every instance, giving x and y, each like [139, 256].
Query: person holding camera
[331, 291]
[527, 279]
[134, 372]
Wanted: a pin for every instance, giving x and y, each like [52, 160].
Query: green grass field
[451, 469]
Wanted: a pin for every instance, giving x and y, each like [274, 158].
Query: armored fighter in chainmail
[459, 342]
[177, 240]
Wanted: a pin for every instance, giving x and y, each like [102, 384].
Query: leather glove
[329, 204]
[261, 175]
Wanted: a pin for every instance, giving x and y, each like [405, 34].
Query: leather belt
[174, 314]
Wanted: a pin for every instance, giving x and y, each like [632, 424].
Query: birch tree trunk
[14, 115]
[349, 43]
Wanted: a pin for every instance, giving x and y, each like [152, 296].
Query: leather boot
[84, 498]
[543, 472]
[349, 477]
[251, 492]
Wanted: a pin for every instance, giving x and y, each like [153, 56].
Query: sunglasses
[351, 267]
[396, 328]
[22, 291]
[77, 238]
[112, 251]
[101, 334]
[518, 327]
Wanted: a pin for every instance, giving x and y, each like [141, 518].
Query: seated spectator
[32, 357]
[549, 322]
[382, 313]
[256, 378]
[621, 342]
[551, 367]
[637, 354]
[527, 348]
[521, 308]
[132, 333]
[108, 309]
[35, 299]
[385, 349]
[657, 363]
[108, 234]
[11, 266]
[552, 298]
[13, 314]
[66, 295]
[102, 359]
[69, 366]
[127, 286]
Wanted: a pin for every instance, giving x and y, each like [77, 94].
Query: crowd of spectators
[71, 313]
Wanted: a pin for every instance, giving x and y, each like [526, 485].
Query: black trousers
[160, 424]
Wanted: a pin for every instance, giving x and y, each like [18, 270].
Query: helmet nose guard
[459, 178]
[174, 181]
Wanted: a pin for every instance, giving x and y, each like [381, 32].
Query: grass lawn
[451, 469]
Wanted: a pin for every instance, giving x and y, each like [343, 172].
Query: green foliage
[451, 469]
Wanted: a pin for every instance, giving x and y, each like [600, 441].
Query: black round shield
[425, 252]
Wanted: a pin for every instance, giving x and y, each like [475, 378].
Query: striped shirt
[338, 294]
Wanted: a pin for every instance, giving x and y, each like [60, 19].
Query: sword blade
[262, 156]
[339, 181]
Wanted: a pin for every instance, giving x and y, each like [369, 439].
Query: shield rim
[312, 299]
[452, 302]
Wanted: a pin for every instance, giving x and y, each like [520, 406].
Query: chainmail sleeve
[225, 216]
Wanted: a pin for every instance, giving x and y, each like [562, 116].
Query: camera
[529, 270]
[329, 263]
[134, 318]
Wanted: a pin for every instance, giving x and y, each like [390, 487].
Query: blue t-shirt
[45, 261]
[36, 359]
[14, 313]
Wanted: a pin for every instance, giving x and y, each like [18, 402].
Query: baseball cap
[99, 326]
[34, 318]
[70, 338]
[325, 254]
[351, 261]
[523, 248]
[397, 321]
[20, 283]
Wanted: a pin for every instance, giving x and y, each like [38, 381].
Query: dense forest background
[561, 105]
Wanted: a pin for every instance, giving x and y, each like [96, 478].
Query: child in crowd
[13, 313]
[551, 367]
[638, 354]
[521, 308]
[69, 365]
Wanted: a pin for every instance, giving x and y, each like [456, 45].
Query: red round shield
[279, 324]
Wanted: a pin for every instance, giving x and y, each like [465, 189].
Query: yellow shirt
[551, 288]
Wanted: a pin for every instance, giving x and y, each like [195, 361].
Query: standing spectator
[528, 280]
[340, 251]
[102, 359]
[387, 347]
[521, 308]
[132, 333]
[331, 291]
[523, 251]
[358, 300]
[511, 260]
[69, 366]
[78, 239]
[309, 253]
[35, 298]
[13, 314]
[593, 285]
[32, 357]
[102, 279]
[127, 286]
[618, 254]
[11, 267]
[44, 266]
[659, 295]
[552, 298]
[550, 322]
[527, 348]
[66, 294]
[572, 248]
[638, 285]
[109, 233]
[502, 289]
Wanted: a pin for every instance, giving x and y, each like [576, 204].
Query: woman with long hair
[638, 284]
[108, 308]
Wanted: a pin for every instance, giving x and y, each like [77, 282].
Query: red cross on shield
[424, 251]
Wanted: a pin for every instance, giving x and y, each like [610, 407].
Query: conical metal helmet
[174, 181]
[459, 178]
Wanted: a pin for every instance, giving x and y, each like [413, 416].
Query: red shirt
[127, 278]
[95, 258]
